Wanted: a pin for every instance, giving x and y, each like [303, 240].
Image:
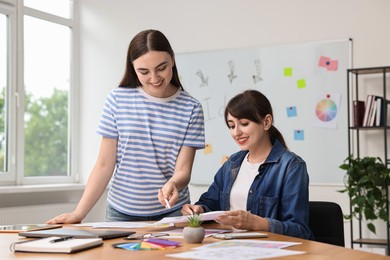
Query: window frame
[8, 8]
[15, 159]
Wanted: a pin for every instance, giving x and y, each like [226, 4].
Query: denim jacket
[279, 193]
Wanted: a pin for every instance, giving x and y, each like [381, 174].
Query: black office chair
[327, 222]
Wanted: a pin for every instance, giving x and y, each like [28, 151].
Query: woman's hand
[242, 219]
[168, 192]
[66, 218]
[189, 209]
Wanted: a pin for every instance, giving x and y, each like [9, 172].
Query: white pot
[193, 235]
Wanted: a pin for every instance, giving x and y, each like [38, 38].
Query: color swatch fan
[148, 244]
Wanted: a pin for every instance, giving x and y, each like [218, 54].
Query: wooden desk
[314, 250]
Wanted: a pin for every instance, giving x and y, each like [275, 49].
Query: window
[42, 96]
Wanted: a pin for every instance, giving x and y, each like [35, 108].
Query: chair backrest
[327, 222]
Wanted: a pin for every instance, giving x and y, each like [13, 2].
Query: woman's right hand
[189, 209]
[66, 218]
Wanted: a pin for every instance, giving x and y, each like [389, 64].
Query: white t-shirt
[242, 184]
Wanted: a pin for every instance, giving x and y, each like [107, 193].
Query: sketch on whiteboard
[204, 80]
[207, 111]
[257, 77]
[231, 76]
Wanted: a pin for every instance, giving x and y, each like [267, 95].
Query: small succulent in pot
[194, 232]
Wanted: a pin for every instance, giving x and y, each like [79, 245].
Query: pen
[61, 239]
[166, 201]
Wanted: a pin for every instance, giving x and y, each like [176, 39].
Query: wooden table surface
[314, 250]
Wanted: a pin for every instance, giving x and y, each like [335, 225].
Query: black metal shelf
[354, 139]
[370, 241]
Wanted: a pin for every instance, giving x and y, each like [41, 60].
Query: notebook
[46, 245]
[77, 233]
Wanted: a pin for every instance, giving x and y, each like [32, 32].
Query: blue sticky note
[291, 111]
[299, 135]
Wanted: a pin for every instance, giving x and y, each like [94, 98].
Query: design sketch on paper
[204, 81]
[231, 76]
[257, 77]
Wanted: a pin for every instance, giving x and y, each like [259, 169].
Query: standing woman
[264, 186]
[151, 128]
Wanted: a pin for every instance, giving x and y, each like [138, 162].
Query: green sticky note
[301, 83]
[287, 72]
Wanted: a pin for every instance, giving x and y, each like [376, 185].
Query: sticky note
[328, 63]
[287, 72]
[299, 135]
[323, 62]
[208, 149]
[291, 111]
[301, 83]
[224, 159]
[333, 65]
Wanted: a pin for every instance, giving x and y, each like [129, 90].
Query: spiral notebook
[48, 245]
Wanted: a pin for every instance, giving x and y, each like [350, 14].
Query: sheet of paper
[178, 232]
[236, 253]
[212, 215]
[248, 243]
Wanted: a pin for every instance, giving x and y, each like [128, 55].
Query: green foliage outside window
[46, 135]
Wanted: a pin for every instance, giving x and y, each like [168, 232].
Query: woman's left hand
[242, 219]
[170, 193]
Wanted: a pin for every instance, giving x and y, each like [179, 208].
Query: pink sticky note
[324, 62]
[333, 65]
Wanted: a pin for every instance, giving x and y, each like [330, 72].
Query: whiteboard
[306, 85]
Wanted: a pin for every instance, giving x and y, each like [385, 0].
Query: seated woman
[264, 186]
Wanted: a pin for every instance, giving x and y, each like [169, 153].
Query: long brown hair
[254, 106]
[143, 42]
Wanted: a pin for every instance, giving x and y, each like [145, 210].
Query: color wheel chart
[326, 109]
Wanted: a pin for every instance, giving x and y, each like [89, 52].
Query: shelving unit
[354, 92]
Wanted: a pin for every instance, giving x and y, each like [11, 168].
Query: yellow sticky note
[287, 72]
[224, 159]
[208, 149]
[301, 83]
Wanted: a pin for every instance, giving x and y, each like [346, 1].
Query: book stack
[373, 111]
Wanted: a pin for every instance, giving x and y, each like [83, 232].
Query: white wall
[108, 26]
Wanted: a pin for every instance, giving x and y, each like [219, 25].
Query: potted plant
[366, 182]
[194, 232]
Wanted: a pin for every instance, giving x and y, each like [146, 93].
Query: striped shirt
[150, 133]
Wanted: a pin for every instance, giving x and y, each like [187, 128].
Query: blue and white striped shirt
[150, 133]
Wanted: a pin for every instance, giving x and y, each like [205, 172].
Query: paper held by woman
[212, 215]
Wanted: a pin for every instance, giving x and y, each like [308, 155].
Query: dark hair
[254, 106]
[143, 42]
